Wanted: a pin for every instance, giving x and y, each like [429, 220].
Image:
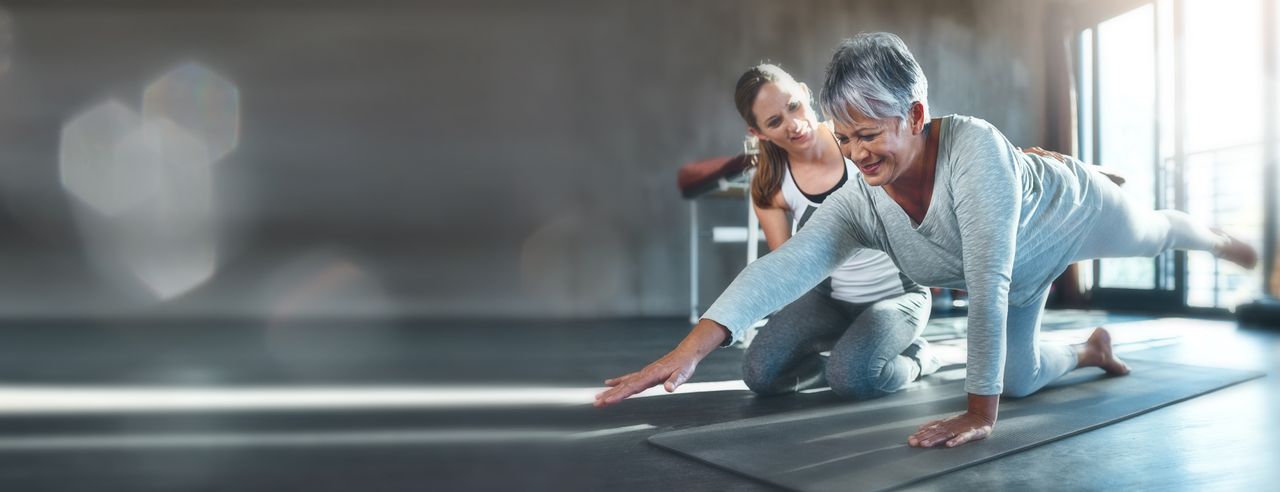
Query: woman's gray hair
[875, 75]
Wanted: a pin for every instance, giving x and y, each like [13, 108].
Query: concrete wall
[454, 158]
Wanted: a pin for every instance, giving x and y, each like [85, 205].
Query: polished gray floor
[861, 446]
[1224, 440]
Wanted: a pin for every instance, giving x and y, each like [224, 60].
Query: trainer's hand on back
[671, 371]
[1111, 174]
[1045, 153]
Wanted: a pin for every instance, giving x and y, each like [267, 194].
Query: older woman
[954, 204]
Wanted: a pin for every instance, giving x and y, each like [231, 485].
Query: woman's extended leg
[1126, 229]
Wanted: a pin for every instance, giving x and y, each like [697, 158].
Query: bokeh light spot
[204, 103]
[171, 240]
[91, 168]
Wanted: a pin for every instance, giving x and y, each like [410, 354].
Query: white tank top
[868, 275]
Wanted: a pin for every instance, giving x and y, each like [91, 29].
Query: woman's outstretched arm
[766, 285]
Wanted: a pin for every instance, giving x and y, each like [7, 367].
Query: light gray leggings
[866, 342]
[1123, 229]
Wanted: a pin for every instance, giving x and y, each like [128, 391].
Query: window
[1172, 94]
[1127, 109]
[1223, 141]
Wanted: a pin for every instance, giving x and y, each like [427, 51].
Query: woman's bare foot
[1236, 251]
[1097, 353]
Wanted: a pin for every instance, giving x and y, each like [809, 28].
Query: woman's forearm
[705, 336]
[784, 275]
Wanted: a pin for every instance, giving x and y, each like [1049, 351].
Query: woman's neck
[914, 188]
[917, 168]
[825, 153]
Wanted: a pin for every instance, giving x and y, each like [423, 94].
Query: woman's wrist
[705, 337]
[985, 406]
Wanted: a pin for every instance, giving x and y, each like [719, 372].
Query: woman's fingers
[1045, 153]
[671, 371]
[969, 435]
[952, 432]
[677, 378]
[625, 386]
[930, 437]
[618, 380]
[614, 395]
[926, 432]
[620, 385]
[920, 439]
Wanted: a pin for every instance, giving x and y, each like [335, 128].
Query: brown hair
[772, 161]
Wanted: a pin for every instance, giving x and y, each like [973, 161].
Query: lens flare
[199, 100]
[169, 243]
[94, 171]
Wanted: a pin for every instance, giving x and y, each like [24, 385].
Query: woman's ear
[756, 133]
[918, 117]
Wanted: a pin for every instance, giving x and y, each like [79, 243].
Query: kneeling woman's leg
[1030, 365]
[867, 362]
[783, 357]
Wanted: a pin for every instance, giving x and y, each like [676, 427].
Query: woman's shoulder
[959, 124]
[855, 191]
[961, 132]
[855, 203]
[780, 202]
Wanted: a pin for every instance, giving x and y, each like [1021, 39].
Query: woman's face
[882, 148]
[783, 116]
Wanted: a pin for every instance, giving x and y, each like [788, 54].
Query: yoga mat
[863, 445]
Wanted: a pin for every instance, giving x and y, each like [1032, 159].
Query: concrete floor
[376, 419]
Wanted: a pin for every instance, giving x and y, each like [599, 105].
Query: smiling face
[883, 149]
[783, 116]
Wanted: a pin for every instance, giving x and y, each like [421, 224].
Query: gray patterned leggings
[866, 343]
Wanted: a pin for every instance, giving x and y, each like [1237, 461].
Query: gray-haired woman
[955, 205]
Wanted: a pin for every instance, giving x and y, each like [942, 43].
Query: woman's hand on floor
[974, 425]
[672, 370]
[953, 431]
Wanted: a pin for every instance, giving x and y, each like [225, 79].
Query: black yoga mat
[862, 445]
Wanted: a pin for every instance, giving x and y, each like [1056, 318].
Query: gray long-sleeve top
[1001, 225]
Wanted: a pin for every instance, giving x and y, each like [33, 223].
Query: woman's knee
[765, 386]
[1019, 386]
[859, 381]
[761, 383]
[758, 372]
[768, 372]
